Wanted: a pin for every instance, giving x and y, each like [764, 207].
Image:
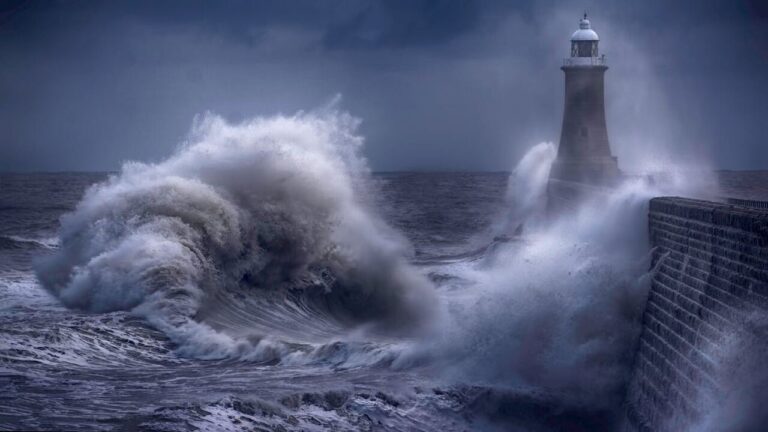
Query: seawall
[710, 269]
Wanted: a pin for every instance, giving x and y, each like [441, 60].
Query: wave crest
[240, 210]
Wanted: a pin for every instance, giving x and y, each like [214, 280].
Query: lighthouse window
[583, 132]
[584, 48]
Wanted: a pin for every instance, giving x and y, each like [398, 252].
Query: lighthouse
[584, 154]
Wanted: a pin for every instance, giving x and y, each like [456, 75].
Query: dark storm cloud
[369, 25]
[404, 23]
[439, 84]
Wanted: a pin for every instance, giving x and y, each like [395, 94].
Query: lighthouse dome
[585, 32]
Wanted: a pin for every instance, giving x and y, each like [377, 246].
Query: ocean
[248, 287]
[71, 370]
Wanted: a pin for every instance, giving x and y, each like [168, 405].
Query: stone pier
[710, 268]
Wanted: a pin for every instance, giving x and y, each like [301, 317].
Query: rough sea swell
[248, 281]
[251, 237]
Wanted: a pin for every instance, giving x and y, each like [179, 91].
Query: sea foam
[248, 209]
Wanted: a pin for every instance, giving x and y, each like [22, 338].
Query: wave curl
[246, 210]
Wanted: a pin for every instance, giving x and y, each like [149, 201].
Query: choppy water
[63, 369]
[214, 293]
[67, 370]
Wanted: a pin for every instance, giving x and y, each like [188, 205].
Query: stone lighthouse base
[602, 171]
[572, 182]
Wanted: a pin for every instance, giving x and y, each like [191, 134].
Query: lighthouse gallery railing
[584, 61]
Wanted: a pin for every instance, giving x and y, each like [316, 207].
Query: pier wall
[710, 268]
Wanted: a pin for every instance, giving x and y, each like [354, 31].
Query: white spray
[557, 310]
[269, 204]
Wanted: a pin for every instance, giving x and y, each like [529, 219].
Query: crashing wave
[244, 210]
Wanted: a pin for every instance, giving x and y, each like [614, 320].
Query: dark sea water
[65, 369]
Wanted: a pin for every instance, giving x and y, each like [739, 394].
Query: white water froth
[557, 309]
[249, 209]
[738, 398]
[527, 187]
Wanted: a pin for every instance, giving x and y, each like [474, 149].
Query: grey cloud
[439, 85]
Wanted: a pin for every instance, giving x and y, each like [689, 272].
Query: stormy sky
[439, 85]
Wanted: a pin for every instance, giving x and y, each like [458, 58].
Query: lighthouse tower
[584, 154]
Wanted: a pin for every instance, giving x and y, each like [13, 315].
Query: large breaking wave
[246, 223]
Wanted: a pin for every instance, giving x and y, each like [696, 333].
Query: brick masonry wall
[710, 264]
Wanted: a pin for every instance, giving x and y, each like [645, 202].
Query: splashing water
[736, 401]
[256, 241]
[269, 207]
[558, 309]
[527, 187]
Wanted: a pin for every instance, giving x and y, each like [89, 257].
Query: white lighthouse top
[585, 32]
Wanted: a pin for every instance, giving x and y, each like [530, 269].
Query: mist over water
[556, 309]
[527, 188]
[553, 305]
